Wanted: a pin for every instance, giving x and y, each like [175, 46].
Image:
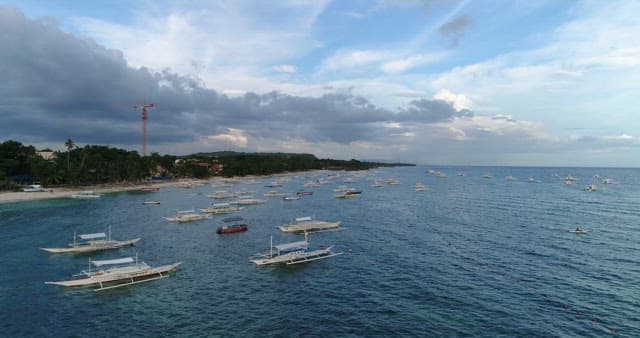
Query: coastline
[66, 192]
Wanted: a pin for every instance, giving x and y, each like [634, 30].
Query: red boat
[232, 225]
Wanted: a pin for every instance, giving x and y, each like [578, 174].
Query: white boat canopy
[93, 236]
[221, 205]
[289, 246]
[303, 219]
[114, 261]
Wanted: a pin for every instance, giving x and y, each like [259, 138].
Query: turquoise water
[470, 257]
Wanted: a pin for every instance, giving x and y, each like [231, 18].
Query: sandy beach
[66, 192]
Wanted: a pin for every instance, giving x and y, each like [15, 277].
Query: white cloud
[458, 101]
[407, 63]
[236, 137]
[348, 60]
[289, 69]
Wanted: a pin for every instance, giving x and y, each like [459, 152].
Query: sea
[469, 257]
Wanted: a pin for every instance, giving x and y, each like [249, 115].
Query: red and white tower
[144, 108]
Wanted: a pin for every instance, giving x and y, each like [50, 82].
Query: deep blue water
[470, 257]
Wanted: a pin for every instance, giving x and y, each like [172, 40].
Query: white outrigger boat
[87, 194]
[92, 242]
[247, 200]
[221, 208]
[292, 253]
[183, 216]
[308, 224]
[118, 273]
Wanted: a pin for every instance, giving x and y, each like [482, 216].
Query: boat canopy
[293, 245]
[93, 236]
[221, 205]
[233, 219]
[114, 261]
[186, 211]
[303, 219]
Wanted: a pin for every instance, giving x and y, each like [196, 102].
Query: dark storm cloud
[58, 86]
[452, 31]
[431, 111]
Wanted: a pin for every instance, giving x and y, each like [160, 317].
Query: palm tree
[69, 145]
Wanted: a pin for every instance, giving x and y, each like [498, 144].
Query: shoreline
[66, 192]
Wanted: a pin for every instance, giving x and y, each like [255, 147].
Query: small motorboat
[151, 202]
[578, 231]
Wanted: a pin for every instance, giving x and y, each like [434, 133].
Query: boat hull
[222, 231]
[107, 245]
[309, 227]
[296, 258]
[116, 277]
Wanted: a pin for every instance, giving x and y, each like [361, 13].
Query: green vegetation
[94, 164]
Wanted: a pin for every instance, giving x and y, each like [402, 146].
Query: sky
[531, 83]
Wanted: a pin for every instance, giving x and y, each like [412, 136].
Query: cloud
[452, 31]
[407, 63]
[289, 69]
[235, 137]
[345, 60]
[459, 101]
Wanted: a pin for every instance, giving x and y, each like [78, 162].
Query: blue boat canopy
[233, 219]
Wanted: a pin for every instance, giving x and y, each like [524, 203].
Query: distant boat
[35, 188]
[232, 225]
[92, 242]
[419, 187]
[221, 208]
[591, 187]
[393, 181]
[578, 231]
[183, 216]
[486, 175]
[607, 181]
[274, 193]
[151, 202]
[460, 174]
[511, 178]
[220, 194]
[304, 193]
[531, 179]
[349, 194]
[87, 194]
[247, 200]
[308, 224]
[150, 189]
[291, 198]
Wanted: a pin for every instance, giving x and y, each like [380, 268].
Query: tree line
[96, 164]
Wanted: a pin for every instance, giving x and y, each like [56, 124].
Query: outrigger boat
[87, 194]
[308, 224]
[349, 194]
[92, 242]
[183, 216]
[118, 273]
[247, 200]
[232, 225]
[292, 253]
[221, 208]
